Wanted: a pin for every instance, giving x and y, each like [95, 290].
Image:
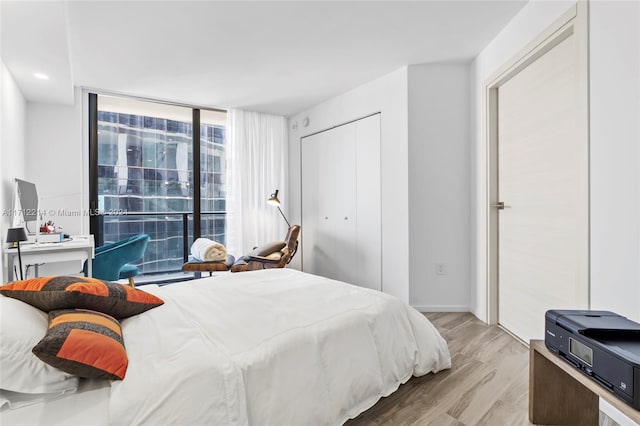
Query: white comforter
[271, 347]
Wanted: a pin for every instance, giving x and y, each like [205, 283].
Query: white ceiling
[275, 57]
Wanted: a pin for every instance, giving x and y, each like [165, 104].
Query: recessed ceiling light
[41, 76]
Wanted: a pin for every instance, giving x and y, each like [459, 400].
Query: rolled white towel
[208, 250]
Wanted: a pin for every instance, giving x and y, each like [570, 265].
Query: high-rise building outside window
[145, 177]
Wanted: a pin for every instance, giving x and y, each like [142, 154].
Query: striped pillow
[84, 343]
[68, 292]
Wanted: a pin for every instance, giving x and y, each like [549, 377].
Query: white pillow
[21, 328]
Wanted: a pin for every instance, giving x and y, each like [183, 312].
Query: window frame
[96, 219]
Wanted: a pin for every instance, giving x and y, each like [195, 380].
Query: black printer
[603, 345]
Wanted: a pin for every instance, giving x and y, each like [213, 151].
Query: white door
[317, 244]
[329, 203]
[369, 255]
[343, 221]
[341, 203]
[543, 182]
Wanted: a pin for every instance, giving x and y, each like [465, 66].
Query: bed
[268, 347]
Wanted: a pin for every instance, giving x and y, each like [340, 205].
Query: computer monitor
[27, 197]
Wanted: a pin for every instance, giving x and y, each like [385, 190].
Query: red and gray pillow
[84, 343]
[84, 337]
[67, 292]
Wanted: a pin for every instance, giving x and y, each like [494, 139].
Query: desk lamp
[273, 200]
[15, 235]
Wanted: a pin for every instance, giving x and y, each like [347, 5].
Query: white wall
[439, 180]
[44, 144]
[12, 146]
[614, 153]
[55, 162]
[387, 95]
[614, 38]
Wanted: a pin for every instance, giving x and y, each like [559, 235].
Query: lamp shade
[16, 234]
[273, 200]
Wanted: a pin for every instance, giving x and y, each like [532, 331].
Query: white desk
[81, 247]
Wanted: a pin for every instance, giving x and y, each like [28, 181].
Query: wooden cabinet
[341, 235]
[559, 394]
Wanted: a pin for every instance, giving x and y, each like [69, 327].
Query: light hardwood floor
[488, 383]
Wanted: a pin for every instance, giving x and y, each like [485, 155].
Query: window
[142, 176]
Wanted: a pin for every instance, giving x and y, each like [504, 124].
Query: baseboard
[441, 308]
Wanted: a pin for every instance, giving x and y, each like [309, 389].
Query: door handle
[500, 206]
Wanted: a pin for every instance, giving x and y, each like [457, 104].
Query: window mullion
[197, 200]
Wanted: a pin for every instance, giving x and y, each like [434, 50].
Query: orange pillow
[62, 292]
[84, 343]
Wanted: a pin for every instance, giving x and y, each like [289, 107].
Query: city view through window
[145, 177]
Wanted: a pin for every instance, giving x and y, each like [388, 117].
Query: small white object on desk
[80, 247]
[43, 238]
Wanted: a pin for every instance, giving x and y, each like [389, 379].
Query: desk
[80, 247]
[559, 394]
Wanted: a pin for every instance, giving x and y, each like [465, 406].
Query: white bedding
[88, 406]
[271, 347]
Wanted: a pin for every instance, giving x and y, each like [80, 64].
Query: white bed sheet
[89, 405]
[272, 347]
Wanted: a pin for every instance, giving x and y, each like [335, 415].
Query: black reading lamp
[273, 200]
[15, 235]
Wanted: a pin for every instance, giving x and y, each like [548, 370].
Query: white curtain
[257, 162]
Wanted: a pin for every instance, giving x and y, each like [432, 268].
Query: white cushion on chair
[265, 250]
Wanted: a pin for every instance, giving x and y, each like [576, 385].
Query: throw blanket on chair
[208, 250]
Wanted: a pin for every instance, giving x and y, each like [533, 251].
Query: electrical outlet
[440, 269]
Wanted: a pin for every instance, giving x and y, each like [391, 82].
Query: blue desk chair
[112, 261]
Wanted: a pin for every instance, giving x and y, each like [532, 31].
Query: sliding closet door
[317, 236]
[342, 223]
[369, 260]
[341, 203]
[329, 204]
